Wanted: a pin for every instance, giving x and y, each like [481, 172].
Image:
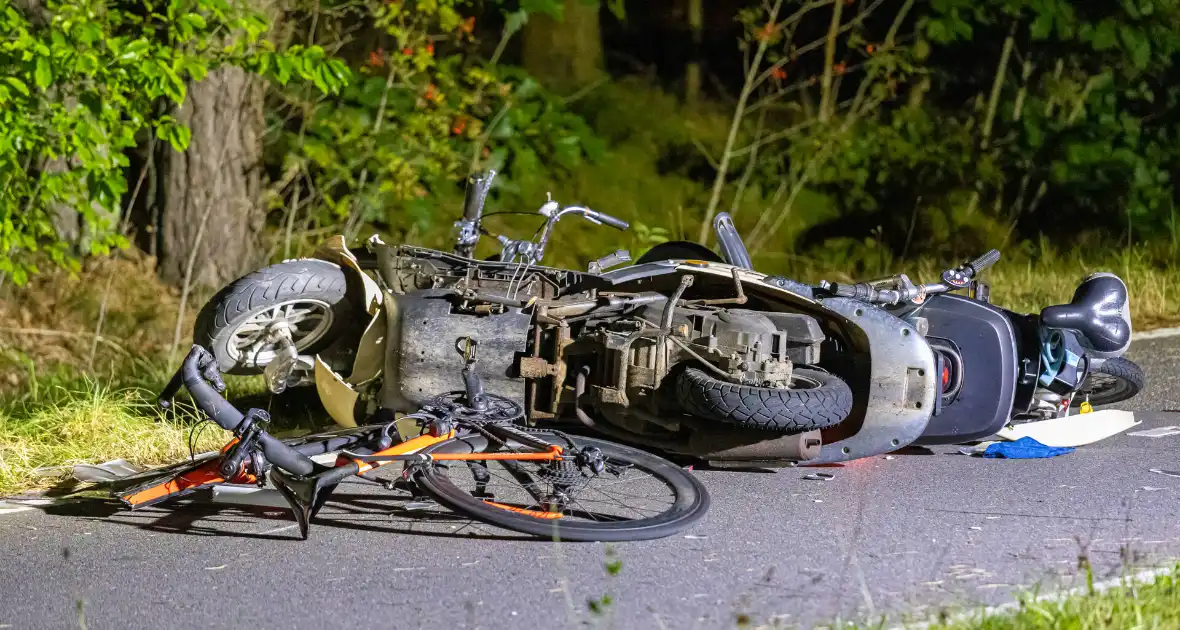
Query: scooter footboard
[984, 336]
[901, 387]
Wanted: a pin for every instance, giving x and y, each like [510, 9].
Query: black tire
[315, 283]
[679, 250]
[826, 401]
[690, 504]
[1112, 382]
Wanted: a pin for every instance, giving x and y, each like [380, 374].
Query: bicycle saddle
[1099, 312]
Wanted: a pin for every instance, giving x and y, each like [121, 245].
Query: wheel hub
[304, 321]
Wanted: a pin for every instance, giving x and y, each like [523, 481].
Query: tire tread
[787, 411]
[291, 279]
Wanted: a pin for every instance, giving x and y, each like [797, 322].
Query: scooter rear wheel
[815, 400]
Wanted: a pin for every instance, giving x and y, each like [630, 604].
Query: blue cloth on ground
[1024, 448]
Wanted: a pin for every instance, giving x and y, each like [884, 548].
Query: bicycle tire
[691, 503]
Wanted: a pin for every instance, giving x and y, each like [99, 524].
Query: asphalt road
[913, 533]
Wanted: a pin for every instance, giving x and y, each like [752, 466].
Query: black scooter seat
[1099, 312]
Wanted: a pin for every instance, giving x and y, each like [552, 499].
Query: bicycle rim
[638, 496]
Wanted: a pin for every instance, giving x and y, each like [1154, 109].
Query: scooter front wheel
[306, 298]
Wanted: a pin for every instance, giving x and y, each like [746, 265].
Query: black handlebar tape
[985, 261]
[228, 417]
[208, 400]
[171, 389]
[607, 219]
[478, 186]
[284, 456]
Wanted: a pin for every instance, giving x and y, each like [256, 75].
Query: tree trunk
[217, 182]
[564, 54]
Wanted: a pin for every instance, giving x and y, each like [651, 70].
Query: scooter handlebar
[984, 261]
[600, 217]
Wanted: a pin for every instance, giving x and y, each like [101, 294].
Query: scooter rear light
[946, 377]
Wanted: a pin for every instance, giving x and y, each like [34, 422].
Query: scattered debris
[820, 476]
[1073, 431]
[418, 506]
[977, 449]
[1151, 489]
[1158, 432]
[249, 495]
[1024, 448]
[216, 568]
[817, 500]
[51, 471]
[976, 528]
[890, 457]
[695, 537]
[1170, 473]
[107, 471]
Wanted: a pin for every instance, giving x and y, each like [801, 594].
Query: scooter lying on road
[687, 352]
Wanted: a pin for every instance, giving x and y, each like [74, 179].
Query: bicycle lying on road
[472, 457]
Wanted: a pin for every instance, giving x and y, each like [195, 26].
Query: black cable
[199, 430]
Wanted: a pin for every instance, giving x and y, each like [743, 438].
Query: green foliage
[83, 81]
[1078, 136]
[425, 113]
[1088, 120]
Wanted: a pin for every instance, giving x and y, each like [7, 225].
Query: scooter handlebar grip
[607, 219]
[985, 261]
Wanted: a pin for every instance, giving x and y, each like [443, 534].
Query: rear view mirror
[733, 250]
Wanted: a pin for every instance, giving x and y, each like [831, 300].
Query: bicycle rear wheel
[565, 499]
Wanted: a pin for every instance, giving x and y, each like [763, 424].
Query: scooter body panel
[985, 337]
[894, 407]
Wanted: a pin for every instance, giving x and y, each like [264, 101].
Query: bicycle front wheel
[598, 490]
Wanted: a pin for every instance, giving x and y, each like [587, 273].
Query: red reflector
[946, 376]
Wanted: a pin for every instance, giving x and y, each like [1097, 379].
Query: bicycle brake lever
[211, 373]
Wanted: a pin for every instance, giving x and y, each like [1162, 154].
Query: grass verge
[1154, 604]
[89, 425]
